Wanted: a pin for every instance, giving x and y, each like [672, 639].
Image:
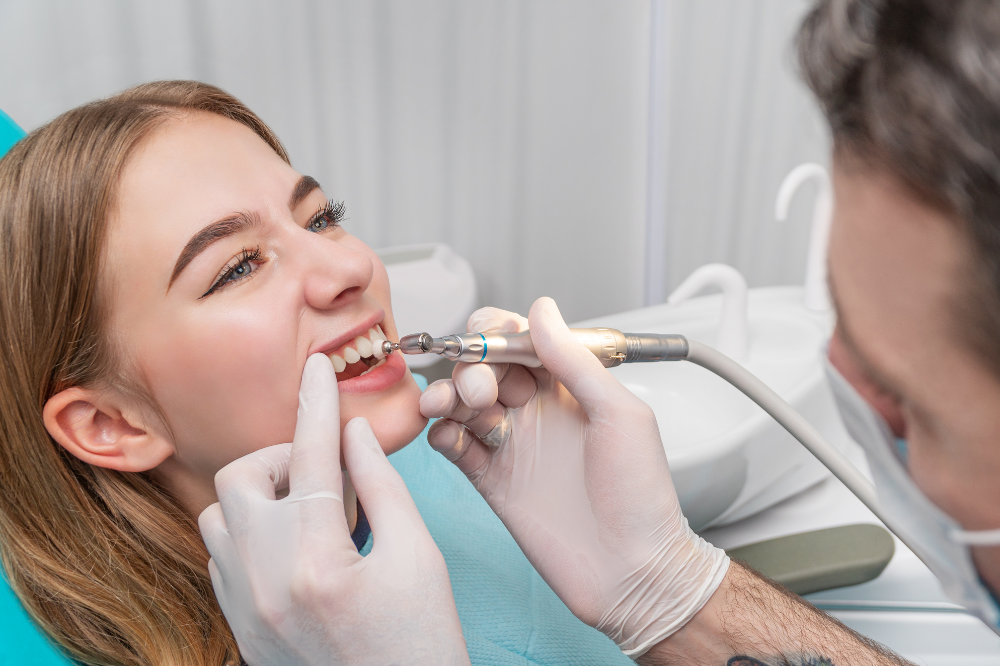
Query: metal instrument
[610, 346]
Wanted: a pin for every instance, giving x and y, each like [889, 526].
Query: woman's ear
[98, 428]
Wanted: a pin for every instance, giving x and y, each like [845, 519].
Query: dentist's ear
[99, 428]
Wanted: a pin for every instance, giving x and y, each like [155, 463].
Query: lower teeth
[371, 368]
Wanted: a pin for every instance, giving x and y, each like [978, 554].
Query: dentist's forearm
[750, 617]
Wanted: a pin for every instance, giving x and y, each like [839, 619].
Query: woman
[168, 273]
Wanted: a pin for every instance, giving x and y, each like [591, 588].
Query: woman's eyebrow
[302, 189]
[216, 231]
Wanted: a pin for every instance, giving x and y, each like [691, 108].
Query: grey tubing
[794, 423]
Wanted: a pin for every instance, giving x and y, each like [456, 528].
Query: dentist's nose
[336, 275]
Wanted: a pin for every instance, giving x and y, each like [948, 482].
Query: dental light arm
[613, 348]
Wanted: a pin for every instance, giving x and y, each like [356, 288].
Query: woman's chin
[394, 414]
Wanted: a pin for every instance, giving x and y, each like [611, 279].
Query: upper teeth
[361, 347]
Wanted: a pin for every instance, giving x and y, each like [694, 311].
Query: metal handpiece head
[424, 343]
[420, 343]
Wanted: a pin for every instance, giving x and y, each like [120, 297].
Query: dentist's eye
[328, 217]
[238, 269]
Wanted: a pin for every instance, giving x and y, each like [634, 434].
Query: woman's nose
[335, 274]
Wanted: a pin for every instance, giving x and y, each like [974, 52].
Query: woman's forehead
[195, 169]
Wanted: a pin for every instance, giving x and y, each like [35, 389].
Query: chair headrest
[10, 133]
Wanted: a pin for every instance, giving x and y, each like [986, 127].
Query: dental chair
[10, 132]
[21, 643]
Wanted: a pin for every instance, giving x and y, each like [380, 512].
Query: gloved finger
[249, 479]
[212, 524]
[445, 401]
[568, 361]
[485, 420]
[219, 585]
[442, 397]
[388, 505]
[445, 395]
[315, 459]
[460, 446]
[516, 387]
[439, 399]
[476, 384]
[494, 319]
[229, 581]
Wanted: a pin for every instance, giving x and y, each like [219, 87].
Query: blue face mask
[937, 538]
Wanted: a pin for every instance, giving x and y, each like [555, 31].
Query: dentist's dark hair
[912, 87]
[106, 562]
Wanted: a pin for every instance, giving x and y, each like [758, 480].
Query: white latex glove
[582, 483]
[286, 573]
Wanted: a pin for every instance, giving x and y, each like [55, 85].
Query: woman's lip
[377, 379]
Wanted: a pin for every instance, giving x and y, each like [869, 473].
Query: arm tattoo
[754, 621]
[810, 660]
[790, 631]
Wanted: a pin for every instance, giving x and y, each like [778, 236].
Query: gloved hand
[285, 571]
[581, 481]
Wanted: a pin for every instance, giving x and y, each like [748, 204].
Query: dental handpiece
[613, 348]
[610, 346]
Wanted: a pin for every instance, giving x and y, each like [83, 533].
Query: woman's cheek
[224, 389]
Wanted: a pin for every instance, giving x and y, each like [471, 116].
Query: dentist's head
[166, 275]
[912, 94]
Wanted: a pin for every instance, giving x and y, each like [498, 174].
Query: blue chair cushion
[20, 642]
[10, 133]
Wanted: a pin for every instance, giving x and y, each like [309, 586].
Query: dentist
[573, 463]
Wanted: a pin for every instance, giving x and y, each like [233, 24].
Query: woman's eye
[244, 265]
[319, 223]
[241, 270]
[328, 217]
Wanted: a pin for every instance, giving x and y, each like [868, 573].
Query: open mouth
[359, 356]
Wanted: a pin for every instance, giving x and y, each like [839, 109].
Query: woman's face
[226, 270]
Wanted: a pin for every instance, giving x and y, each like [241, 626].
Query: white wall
[515, 130]
[737, 121]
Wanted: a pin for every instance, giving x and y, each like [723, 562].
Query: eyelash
[333, 212]
[246, 256]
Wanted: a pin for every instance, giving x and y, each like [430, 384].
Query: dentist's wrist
[686, 576]
[702, 639]
[752, 618]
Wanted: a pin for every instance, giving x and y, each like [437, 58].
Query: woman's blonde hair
[106, 562]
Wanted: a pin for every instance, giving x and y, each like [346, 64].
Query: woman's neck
[350, 503]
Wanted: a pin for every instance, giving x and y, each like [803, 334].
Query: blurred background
[594, 151]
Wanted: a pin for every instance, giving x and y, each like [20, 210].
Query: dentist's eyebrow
[303, 189]
[216, 231]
